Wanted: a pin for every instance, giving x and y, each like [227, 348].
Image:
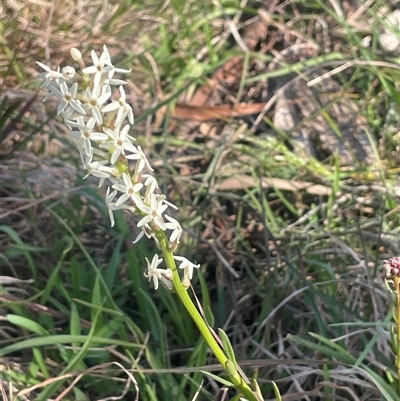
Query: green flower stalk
[101, 126]
[392, 270]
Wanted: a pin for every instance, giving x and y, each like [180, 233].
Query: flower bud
[68, 73]
[76, 54]
[186, 282]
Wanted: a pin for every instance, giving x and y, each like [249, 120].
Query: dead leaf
[241, 182]
[223, 111]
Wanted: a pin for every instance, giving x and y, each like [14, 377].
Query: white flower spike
[102, 127]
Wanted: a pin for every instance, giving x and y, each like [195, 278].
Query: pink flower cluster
[392, 266]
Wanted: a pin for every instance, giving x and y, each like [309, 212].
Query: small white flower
[99, 170]
[151, 184]
[162, 198]
[69, 114]
[153, 272]
[153, 213]
[120, 142]
[166, 279]
[67, 97]
[100, 153]
[142, 161]
[49, 75]
[94, 169]
[94, 99]
[110, 81]
[129, 190]
[114, 81]
[149, 233]
[123, 109]
[140, 235]
[176, 230]
[86, 134]
[187, 265]
[110, 204]
[119, 71]
[100, 65]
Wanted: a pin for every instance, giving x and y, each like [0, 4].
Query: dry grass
[290, 233]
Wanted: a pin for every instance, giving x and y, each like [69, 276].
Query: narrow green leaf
[97, 300]
[64, 339]
[39, 359]
[111, 273]
[75, 323]
[230, 353]
[28, 324]
[109, 329]
[276, 391]
[219, 379]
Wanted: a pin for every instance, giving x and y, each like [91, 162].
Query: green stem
[397, 312]
[236, 378]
